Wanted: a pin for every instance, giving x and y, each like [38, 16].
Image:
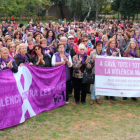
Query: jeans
[93, 93]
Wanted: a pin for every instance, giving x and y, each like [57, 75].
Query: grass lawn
[113, 120]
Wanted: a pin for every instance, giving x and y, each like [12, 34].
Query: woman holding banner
[111, 50]
[81, 63]
[93, 54]
[63, 58]
[41, 59]
[22, 57]
[133, 52]
[6, 62]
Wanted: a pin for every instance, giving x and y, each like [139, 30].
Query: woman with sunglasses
[12, 49]
[17, 36]
[22, 57]
[6, 62]
[85, 41]
[40, 59]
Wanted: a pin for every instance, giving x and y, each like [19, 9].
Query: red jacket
[89, 49]
[76, 40]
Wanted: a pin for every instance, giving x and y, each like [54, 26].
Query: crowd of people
[74, 45]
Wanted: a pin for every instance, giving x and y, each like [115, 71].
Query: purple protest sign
[29, 92]
[117, 76]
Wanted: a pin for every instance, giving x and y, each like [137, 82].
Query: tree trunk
[118, 15]
[97, 12]
[137, 16]
[128, 18]
[61, 10]
[133, 18]
[88, 14]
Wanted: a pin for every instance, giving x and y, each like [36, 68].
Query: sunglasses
[37, 49]
[85, 41]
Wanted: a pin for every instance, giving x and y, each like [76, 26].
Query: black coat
[46, 58]
[19, 60]
[14, 69]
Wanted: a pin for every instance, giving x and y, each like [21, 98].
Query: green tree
[115, 6]
[22, 7]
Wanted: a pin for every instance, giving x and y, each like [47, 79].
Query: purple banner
[29, 92]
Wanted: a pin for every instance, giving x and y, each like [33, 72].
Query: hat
[70, 36]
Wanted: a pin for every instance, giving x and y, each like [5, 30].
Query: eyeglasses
[23, 48]
[37, 49]
[12, 46]
[85, 41]
[71, 38]
[9, 40]
[61, 47]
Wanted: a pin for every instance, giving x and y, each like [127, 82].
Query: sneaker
[67, 102]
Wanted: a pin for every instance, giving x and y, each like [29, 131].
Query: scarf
[111, 49]
[6, 61]
[105, 52]
[104, 43]
[85, 54]
[24, 58]
[72, 45]
[132, 53]
[11, 54]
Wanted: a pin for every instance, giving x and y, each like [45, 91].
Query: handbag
[88, 78]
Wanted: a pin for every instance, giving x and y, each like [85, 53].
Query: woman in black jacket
[41, 59]
[22, 57]
[6, 62]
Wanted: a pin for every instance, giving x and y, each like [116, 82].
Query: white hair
[82, 46]
[63, 37]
